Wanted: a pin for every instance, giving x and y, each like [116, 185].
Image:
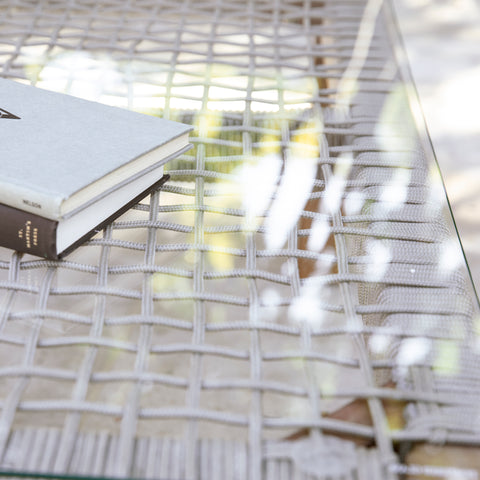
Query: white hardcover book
[74, 162]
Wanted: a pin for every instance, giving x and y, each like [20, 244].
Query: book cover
[60, 153]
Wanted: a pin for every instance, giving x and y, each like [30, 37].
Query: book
[69, 166]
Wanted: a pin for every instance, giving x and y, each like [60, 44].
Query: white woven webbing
[298, 258]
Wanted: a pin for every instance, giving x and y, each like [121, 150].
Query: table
[294, 303]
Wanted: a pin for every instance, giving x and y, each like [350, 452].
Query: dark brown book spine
[30, 233]
[27, 232]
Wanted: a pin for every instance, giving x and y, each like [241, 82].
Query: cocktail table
[293, 304]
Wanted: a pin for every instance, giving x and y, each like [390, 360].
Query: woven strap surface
[299, 258]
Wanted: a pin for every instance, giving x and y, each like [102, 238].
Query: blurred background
[442, 41]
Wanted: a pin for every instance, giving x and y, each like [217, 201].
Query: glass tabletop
[293, 303]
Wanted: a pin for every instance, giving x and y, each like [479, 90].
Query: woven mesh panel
[297, 260]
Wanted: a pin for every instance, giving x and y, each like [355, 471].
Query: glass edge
[400, 53]
[54, 476]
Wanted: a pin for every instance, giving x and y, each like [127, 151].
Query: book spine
[27, 232]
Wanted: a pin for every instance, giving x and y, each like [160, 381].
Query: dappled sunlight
[447, 360]
[451, 256]
[319, 235]
[380, 344]
[134, 84]
[93, 77]
[348, 86]
[334, 192]
[258, 183]
[412, 351]
[291, 197]
[218, 260]
[395, 193]
[354, 202]
[380, 257]
[294, 189]
[307, 307]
